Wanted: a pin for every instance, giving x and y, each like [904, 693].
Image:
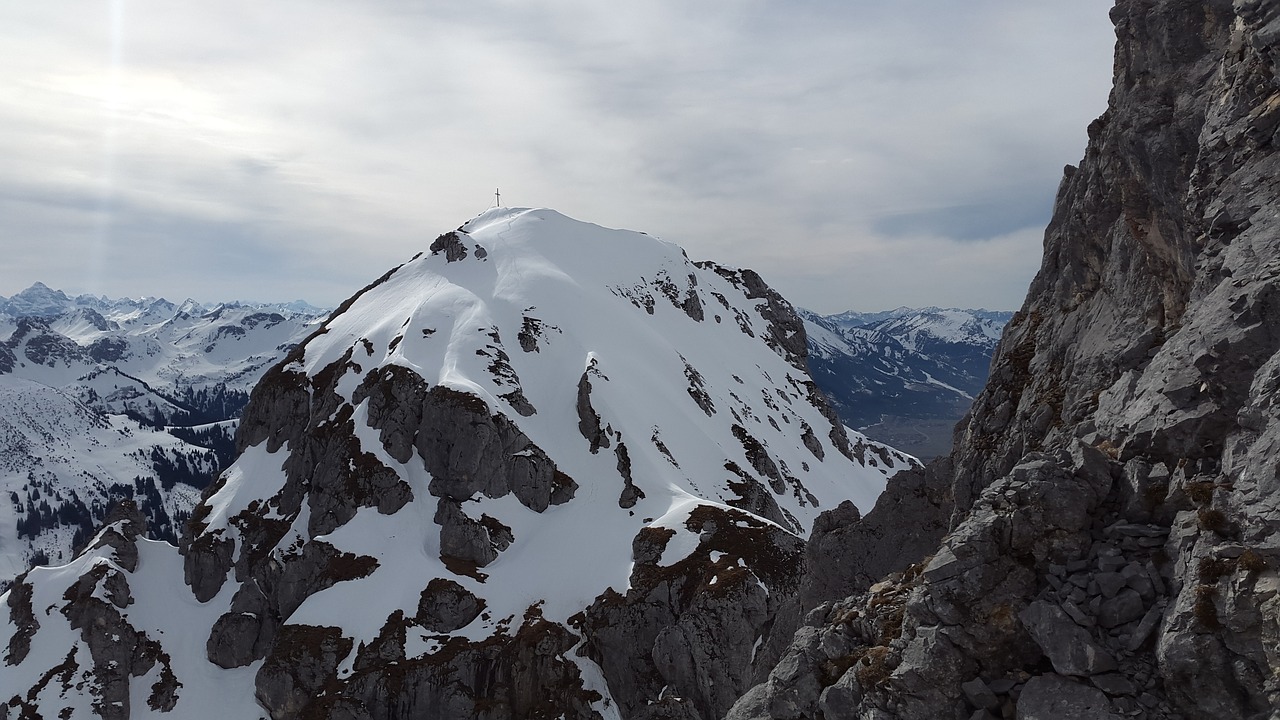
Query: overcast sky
[860, 155]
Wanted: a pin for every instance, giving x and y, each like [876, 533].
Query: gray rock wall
[686, 635]
[1104, 539]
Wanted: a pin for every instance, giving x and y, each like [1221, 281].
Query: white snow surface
[54, 446]
[608, 300]
[447, 320]
[944, 325]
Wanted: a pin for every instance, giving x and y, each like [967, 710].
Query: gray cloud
[861, 154]
[971, 222]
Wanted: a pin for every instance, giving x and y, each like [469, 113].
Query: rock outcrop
[112, 651]
[680, 642]
[1104, 539]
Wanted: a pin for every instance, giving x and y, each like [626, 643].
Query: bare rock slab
[1067, 645]
[1053, 697]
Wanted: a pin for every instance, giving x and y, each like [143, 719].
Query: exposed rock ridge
[1104, 539]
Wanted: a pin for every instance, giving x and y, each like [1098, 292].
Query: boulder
[1068, 646]
[1053, 697]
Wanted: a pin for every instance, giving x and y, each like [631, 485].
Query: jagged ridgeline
[544, 469]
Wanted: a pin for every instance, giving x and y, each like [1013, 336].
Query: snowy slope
[543, 417]
[76, 377]
[62, 463]
[947, 349]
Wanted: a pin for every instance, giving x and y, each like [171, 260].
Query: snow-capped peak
[507, 445]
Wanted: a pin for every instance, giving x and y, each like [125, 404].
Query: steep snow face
[500, 455]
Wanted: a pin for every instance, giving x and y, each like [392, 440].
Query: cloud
[991, 273]
[298, 149]
[979, 221]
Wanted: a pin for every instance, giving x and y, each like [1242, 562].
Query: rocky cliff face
[1104, 539]
[542, 470]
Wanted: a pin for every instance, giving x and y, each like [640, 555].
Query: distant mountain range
[903, 376]
[104, 399]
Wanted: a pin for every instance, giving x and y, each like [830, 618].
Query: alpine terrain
[543, 469]
[548, 470]
[1103, 541]
[906, 376]
[102, 400]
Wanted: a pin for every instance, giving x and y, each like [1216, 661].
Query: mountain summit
[542, 469]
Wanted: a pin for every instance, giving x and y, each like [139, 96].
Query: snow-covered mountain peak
[531, 396]
[650, 384]
[934, 325]
[39, 299]
[189, 308]
[906, 375]
[540, 445]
